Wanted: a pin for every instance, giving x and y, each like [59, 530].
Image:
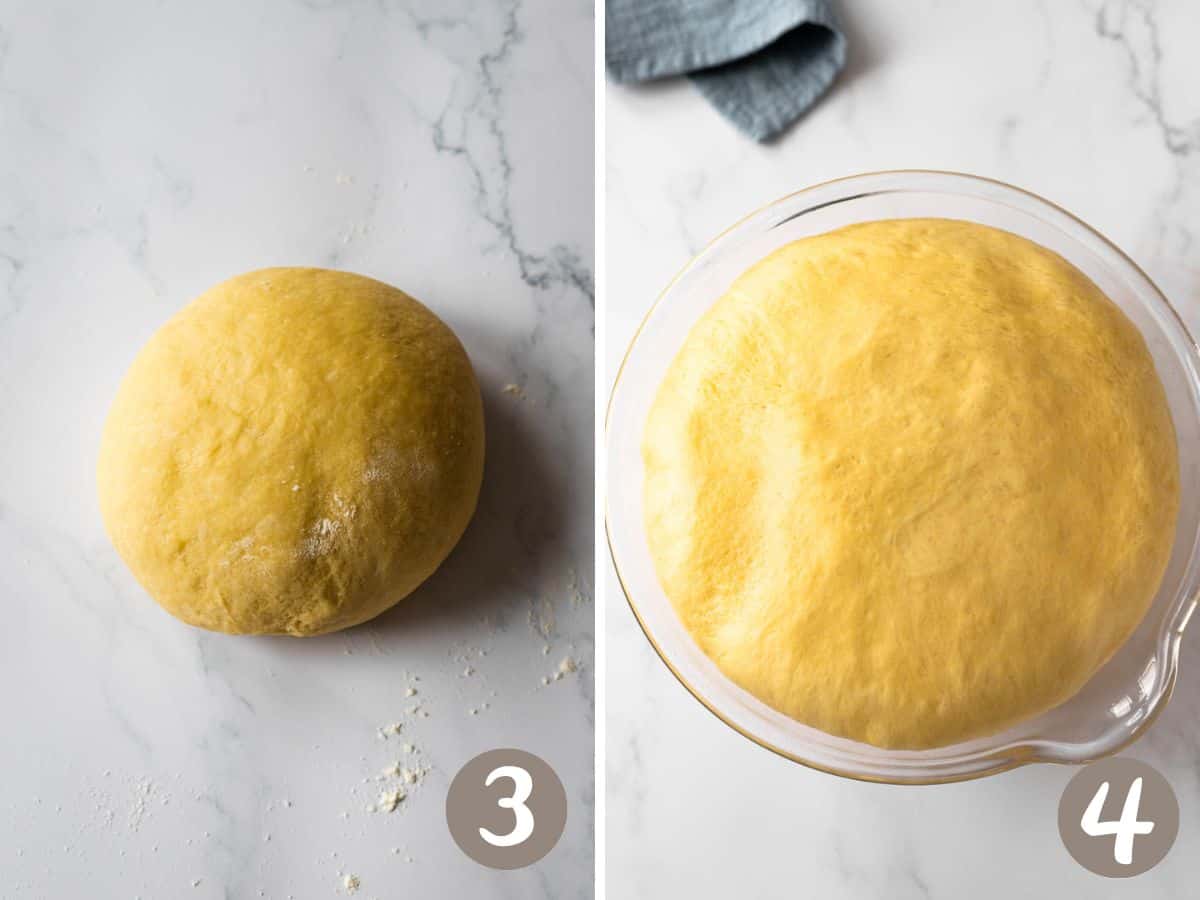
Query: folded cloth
[761, 63]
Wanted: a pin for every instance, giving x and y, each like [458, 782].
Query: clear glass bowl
[1124, 697]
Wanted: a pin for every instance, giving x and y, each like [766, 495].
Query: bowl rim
[1006, 758]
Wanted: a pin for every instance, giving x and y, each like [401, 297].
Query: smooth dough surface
[911, 481]
[292, 453]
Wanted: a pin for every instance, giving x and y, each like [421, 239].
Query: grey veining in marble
[147, 150]
[1091, 104]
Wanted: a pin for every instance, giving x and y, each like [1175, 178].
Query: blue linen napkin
[761, 63]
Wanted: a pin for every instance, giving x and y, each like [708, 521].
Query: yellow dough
[292, 453]
[912, 481]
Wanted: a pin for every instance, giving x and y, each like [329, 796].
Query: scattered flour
[143, 791]
[565, 668]
[541, 617]
[578, 597]
[389, 800]
[381, 466]
[238, 550]
[323, 533]
[408, 771]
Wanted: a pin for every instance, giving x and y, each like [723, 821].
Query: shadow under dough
[513, 534]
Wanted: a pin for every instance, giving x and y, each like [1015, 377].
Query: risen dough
[294, 452]
[911, 481]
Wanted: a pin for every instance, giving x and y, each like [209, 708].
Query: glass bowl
[1123, 698]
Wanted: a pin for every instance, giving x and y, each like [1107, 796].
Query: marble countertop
[149, 150]
[1090, 104]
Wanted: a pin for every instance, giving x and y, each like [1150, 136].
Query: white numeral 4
[1126, 828]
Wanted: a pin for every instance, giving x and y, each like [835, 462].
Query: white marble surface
[1092, 105]
[147, 150]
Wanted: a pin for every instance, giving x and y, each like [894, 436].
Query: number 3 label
[522, 788]
[506, 808]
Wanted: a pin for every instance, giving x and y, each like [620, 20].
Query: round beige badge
[1118, 817]
[506, 808]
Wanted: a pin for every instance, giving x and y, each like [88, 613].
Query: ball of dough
[912, 481]
[292, 453]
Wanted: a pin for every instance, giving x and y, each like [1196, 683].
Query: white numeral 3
[522, 788]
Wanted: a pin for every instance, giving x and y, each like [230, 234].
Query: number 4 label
[1125, 828]
[1118, 846]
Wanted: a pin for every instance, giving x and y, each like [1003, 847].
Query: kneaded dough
[292, 453]
[911, 481]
